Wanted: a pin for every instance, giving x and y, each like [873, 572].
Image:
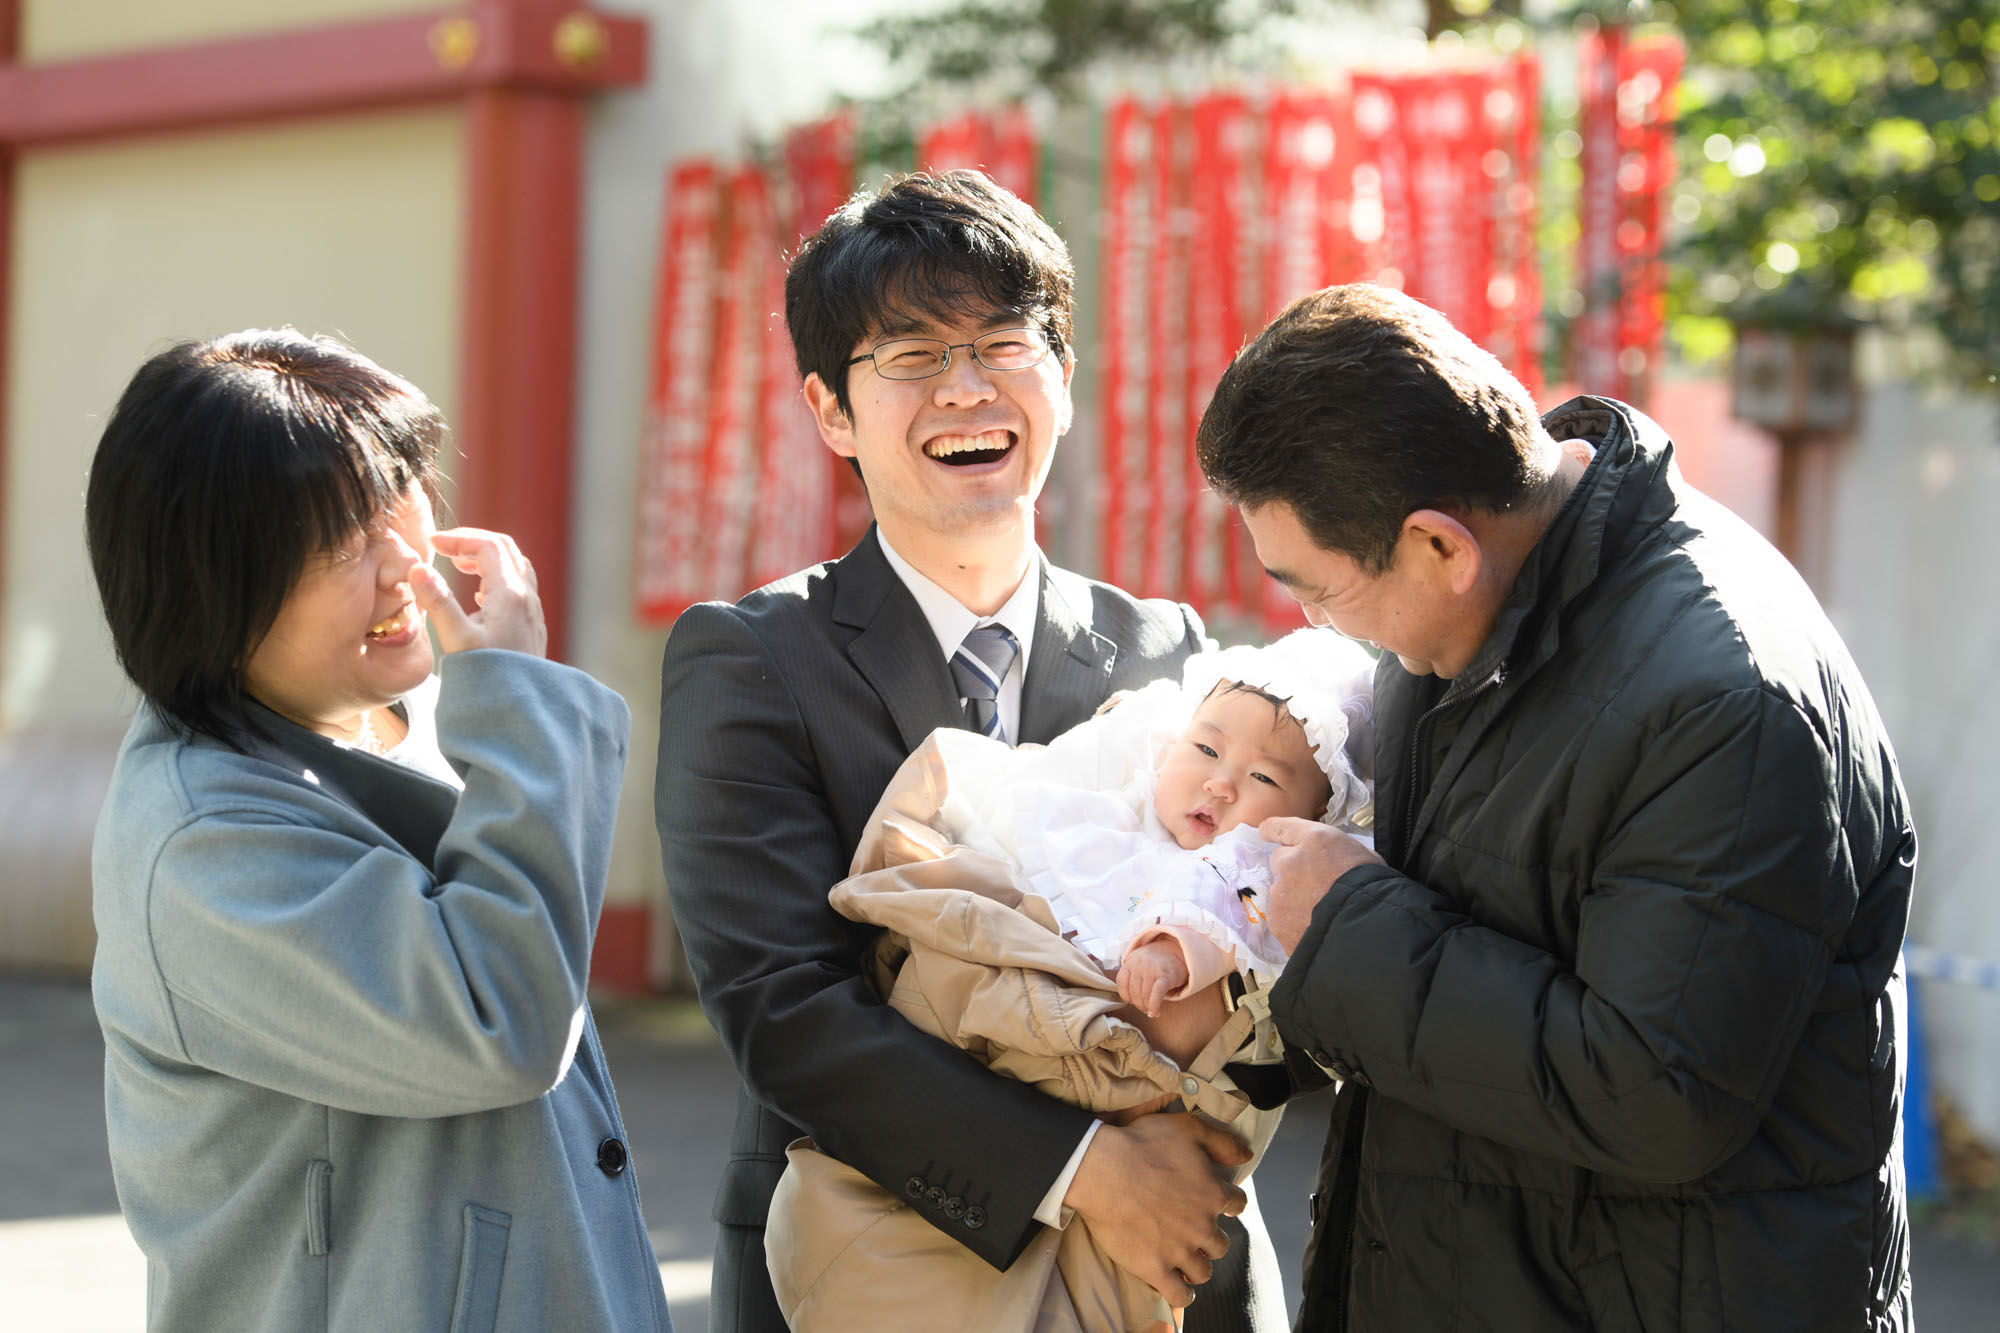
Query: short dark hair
[1359, 406]
[225, 467]
[941, 245]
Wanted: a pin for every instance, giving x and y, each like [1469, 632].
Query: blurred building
[470, 194]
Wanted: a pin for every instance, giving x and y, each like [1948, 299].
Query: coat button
[611, 1157]
[914, 1187]
[954, 1208]
[934, 1197]
[1189, 1086]
[975, 1217]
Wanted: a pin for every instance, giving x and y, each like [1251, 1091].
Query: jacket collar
[409, 806]
[895, 651]
[1620, 495]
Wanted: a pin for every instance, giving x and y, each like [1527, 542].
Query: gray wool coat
[351, 1078]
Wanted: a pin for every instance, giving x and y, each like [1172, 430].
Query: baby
[1169, 897]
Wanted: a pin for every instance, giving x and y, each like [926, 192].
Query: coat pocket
[484, 1256]
[319, 1207]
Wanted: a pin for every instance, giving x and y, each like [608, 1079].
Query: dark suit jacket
[782, 719]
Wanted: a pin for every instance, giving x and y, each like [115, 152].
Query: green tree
[1012, 47]
[1841, 156]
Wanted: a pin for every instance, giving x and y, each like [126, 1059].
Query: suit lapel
[1069, 668]
[894, 649]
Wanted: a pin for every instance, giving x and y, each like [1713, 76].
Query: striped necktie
[979, 665]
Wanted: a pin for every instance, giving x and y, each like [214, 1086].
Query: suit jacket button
[975, 1217]
[954, 1208]
[914, 1187]
[934, 1197]
[611, 1157]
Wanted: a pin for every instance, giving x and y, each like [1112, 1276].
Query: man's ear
[834, 426]
[1065, 414]
[1444, 549]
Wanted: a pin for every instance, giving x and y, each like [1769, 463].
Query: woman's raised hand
[509, 613]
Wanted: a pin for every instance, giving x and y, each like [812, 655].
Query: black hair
[944, 246]
[225, 467]
[1359, 406]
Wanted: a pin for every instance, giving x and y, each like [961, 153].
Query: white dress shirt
[950, 622]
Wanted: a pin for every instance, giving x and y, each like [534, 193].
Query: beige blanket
[973, 958]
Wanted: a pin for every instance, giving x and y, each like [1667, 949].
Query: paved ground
[68, 1266]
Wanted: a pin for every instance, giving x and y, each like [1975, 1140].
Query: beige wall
[349, 227]
[72, 29]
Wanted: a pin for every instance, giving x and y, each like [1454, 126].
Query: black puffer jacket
[1623, 1017]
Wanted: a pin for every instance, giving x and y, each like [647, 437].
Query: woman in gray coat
[345, 907]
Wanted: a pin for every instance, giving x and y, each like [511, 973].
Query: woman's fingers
[510, 610]
[455, 631]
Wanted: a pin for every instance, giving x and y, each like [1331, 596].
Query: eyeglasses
[921, 358]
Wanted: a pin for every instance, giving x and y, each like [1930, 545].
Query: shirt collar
[949, 619]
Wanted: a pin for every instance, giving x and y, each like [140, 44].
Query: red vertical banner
[1130, 218]
[1514, 291]
[956, 141]
[1014, 155]
[1383, 180]
[1594, 338]
[1627, 129]
[1353, 228]
[1648, 77]
[1442, 127]
[1300, 146]
[1299, 149]
[1168, 432]
[1222, 127]
[673, 483]
[795, 518]
[737, 384]
[821, 157]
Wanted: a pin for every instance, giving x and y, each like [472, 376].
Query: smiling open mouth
[989, 446]
[396, 624]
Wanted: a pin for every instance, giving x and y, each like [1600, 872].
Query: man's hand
[510, 608]
[1310, 857]
[1148, 974]
[1153, 1192]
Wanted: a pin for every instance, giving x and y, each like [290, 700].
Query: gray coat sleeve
[296, 953]
[1706, 928]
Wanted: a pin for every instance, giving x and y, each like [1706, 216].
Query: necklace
[366, 738]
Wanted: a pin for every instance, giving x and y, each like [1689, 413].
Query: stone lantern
[1794, 376]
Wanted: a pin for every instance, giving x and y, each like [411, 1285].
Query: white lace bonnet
[1327, 683]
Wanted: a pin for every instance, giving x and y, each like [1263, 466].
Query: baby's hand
[1150, 973]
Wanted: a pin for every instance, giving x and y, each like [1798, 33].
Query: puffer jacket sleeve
[296, 956]
[1706, 926]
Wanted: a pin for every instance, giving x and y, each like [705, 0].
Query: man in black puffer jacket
[1618, 1005]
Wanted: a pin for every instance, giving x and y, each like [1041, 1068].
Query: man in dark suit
[932, 327]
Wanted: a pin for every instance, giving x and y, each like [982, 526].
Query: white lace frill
[1110, 872]
[1327, 682]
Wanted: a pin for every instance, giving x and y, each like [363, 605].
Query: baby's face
[1238, 762]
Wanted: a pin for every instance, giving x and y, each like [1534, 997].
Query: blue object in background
[1920, 1153]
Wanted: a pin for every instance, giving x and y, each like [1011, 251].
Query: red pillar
[517, 382]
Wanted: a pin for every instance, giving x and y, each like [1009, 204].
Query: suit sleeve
[294, 956]
[751, 849]
[1703, 940]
